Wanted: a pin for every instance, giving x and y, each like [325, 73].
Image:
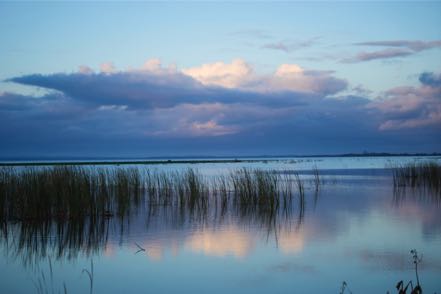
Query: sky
[139, 79]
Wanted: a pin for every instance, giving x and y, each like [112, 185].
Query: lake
[355, 228]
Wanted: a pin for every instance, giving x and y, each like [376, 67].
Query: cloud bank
[216, 108]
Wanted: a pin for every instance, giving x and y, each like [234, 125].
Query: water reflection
[348, 230]
[228, 241]
[214, 231]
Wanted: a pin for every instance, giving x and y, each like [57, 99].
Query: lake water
[355, 229]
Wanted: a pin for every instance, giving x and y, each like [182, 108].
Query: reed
[90, 275]
[68, 210]
[67, 193]
[316, 180]
[257, 188]
[422, 175]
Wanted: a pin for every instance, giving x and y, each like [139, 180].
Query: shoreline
[131, 162]
[214, 160]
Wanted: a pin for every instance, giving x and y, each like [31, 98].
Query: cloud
[134, 89]
[212, 119]
[291, 77]
[396, 48]
[412, 107]
[155, 108]
[84, 69]
[430, 79]
[415, 46]
[287, 77]
[107, 68]
[210, 127]
[382, 54]
[221, 74]
[154, 86]
[184, 119]
[152, 65]
[290, 46]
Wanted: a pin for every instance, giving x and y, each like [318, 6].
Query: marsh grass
[66, 192]
[75, 193]
[423, 176]
[317, 181]
[67, 210]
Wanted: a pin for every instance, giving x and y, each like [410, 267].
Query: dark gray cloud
[430, 79]
[125, 88]
[393, 49]
[144, 90]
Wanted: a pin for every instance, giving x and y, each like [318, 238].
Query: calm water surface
[356, 229]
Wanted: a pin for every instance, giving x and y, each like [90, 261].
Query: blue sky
[219, 78]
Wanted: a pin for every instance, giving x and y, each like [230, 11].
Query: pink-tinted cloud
[411, 107]
[107, 68]
[287, 77]
[84, 69]
[228, 75]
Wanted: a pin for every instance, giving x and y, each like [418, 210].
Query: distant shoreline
[122, 162]
[190, 160]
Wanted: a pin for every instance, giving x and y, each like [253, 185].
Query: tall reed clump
[69, 209]
[185, 188]
[268, 191]
[66, 192]
[221, 188]
[422, 175]
[255, 187]
[317, 181]
[192, 190]
[79, 193]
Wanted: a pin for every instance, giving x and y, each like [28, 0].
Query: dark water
[356, 229]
